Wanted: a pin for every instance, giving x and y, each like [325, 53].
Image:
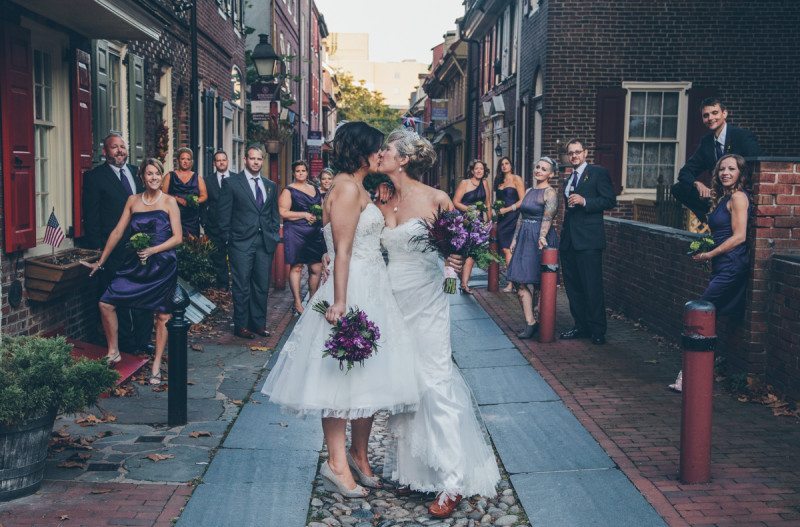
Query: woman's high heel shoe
[332, 484]
[113, 359]
[368, 481]
[529, 331]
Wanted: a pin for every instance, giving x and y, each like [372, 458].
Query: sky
[398, 29]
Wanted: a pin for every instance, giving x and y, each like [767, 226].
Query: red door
[16, 112]
[81, 132]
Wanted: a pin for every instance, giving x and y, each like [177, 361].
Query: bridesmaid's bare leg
[108, 315]
[314, 275]
[526, 301]
[161, 340]
[466, 272]
[295, 274]
[507, 255]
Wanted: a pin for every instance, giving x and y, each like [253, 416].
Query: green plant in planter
[39, 376]
[194, 262]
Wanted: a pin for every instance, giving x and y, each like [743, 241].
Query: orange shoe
[444, 505]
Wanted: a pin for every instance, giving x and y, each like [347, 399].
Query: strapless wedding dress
[305, 382]
[441, 446]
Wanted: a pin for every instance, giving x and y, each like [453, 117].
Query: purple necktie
[125, 182]
[259, 195]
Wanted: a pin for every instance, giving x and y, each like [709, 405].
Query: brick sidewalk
[87, 504]
[618, 392]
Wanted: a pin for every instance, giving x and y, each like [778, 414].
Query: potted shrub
[40, 380]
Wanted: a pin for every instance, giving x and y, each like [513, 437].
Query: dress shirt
[128, 175]
[722, 136]
[221, 176]
[253, 184]
[575, 177]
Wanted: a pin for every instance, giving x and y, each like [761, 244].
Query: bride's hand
[384, 193]
[335, 312]
[456, 261]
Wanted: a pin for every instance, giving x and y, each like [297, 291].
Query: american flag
[53, 234]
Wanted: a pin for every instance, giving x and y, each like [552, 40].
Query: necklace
[160, 193]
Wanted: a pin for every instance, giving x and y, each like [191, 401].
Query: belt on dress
[531, 220]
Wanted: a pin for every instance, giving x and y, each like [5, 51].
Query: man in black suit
[723, 139]
[106, 189]
[210, 216]
[249, 223]
[588, 193]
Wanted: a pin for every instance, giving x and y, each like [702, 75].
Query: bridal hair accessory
[551, 161]
[353, 339]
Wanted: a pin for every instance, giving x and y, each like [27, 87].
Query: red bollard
[279, 265]
[493, 285]
[547, 296]
[698, 340]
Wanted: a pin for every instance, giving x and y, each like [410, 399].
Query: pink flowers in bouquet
[354, 337]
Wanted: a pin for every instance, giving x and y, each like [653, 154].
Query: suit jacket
[241, 222]
[104, 200]
[583, 227]
[737, 141]
[209, 212]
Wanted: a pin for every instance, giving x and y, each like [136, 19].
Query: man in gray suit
[249, 224]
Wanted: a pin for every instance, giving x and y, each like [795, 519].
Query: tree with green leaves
[357, 103]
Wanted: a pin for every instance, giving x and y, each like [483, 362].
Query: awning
[111, 19]
[448, 136]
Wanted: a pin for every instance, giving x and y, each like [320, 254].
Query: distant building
[394, 80]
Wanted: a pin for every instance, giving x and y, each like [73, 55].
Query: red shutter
[82, 143]
[610, 132]
[16, 108]
[695, 129]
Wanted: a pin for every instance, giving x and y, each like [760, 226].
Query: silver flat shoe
[332, 484]
[372, 482]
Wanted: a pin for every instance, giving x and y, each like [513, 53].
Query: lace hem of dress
[348, 413]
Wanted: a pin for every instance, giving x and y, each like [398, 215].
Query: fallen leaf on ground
[71, 464]
[63, 517]
[237, 402]
[84, 456]
[651, 361]
[101, 491]
[197, 347]
[105, 433]
[89, 420]
[200, 433]
[743, 399]
[260, 348]
[159, 457]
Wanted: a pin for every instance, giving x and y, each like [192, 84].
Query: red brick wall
[220, 47]
[783, 326]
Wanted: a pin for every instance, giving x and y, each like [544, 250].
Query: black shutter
[208, 130]
[136, 135]
[695, 129]
[610, 132]
[220, 123]
[100, 102]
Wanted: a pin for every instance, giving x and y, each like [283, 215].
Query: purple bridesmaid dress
[303, 242]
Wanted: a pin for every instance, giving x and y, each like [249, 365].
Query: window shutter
[102, 111]
[610, 132]
[135, 109]
[208, 130]
[82, 144]
[695, 129]
[220, 124]
[16, 105]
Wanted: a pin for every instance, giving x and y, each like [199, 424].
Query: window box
[49, 277]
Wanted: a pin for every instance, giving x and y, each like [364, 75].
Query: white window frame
[682, 89]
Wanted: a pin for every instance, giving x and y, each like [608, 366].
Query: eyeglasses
[575, 153]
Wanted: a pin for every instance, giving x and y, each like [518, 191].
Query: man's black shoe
[148, 350]
[573, 333]
[598, 339]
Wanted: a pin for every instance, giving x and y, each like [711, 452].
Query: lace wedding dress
[305, 382]
[441, 446]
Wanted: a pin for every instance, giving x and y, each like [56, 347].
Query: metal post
[698, 341]
[178, 327]
[279, 265]
[547, 296]
[494, 268]
[194, 86]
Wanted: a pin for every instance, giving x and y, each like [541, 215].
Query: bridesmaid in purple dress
[147, 278]
[471, 190]
[184, 184]
[302, 232]
[508, 188]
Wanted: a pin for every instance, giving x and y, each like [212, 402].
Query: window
[113, 92]
[654, 134]
[43, 126]
[237, 137]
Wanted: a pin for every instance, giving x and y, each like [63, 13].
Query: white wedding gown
[305, 382]
[441, 446]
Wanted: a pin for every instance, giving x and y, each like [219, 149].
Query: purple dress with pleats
[190, 216]
[508, 221]
[524, 267]
[729, 271]
[303, 242]
[149, 286]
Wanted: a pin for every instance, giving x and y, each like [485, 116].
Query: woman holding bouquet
[473, 192]
[305, 381]
[533, 233]
[302, 231]
[148, 277]
[508, 189]
[440, 447]
[189, 191]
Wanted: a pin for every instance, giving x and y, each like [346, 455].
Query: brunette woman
[473, 189]
[189, 191]
[508, 188]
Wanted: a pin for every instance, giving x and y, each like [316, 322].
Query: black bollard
[177, 328]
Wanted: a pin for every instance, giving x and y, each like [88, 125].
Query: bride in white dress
[305, 382]
[440, 447]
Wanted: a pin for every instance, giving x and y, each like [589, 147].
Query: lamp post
[265, 59]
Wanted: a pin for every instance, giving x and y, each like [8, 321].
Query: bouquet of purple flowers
[354, 337]
[462, 233]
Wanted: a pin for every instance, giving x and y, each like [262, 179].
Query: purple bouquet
[354, 337]
[462, 233]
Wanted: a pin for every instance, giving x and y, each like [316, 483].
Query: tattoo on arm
[550, 210]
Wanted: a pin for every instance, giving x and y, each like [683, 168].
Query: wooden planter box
[272, 146]
[49, 277]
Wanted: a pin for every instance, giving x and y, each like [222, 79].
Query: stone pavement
[101, 475]
[555, 472]
[618, 393]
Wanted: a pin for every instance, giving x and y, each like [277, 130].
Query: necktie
[574, 182]
[259, 194]
[125, 183]
[718, 147]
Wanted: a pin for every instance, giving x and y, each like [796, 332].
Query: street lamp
[430, 132]
[265, 59]
[498, 150]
